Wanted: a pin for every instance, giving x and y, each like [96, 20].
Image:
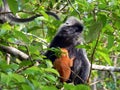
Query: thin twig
[74, 8]
[92, 55]
[28, 53]
[42, 40]
[8, 58]
[77, 76]
[63, 7]
[114, 78]
[23, 68]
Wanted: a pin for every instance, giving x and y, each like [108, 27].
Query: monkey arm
[81, 67]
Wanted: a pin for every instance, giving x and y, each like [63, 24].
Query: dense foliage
[101, 19]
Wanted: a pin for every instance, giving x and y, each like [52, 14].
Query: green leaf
[5, 78]
[14, 66]
[33, 50]
[2, 32]
[118, 48]
[96, 27]
[36, 84]
[6, 26]
[5, 67]
[32, 70]
[49, 64]
[82, 87]
[18, 77]
[94, 30]
[117, 22]
[26, 1]
[77, 87]
[21, 36]
[110, 41]
[25, 63]
[26, 87]
[12, 40]
[83, 46]
[49, 88]
[33, 29]
[1, 2]
[51, 70]
[105, 56]
[108, 29]
[13, 5]
[69, 87]
[51, 78]
[102, 17]
[44, 14]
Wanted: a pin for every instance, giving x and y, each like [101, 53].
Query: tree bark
[15, 52]
[105, 68]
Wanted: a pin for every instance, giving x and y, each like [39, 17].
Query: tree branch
[15, 52]
[105, 68]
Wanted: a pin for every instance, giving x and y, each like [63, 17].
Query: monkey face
[68, 33]
[70, 30]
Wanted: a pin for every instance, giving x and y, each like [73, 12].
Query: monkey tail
[53, 14]
[13, 18]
